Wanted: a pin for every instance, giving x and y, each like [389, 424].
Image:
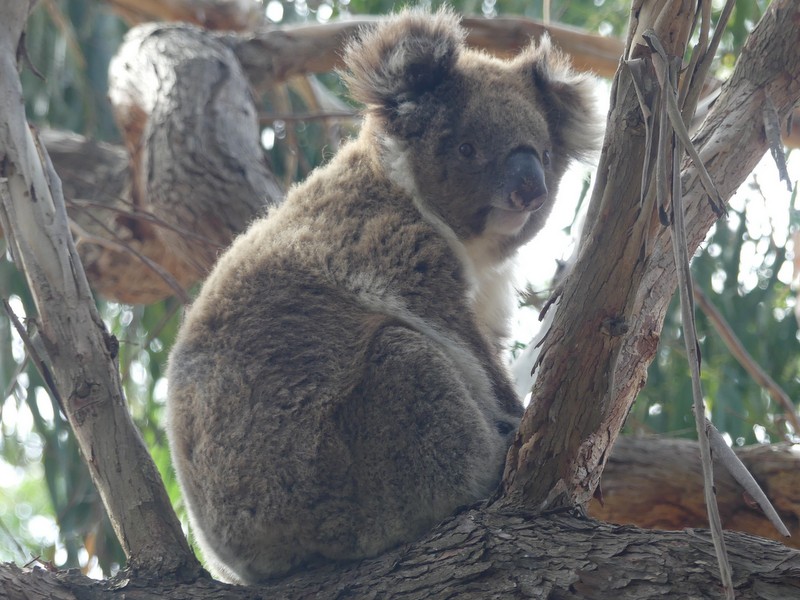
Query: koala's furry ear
[569, 99]
[393, 64]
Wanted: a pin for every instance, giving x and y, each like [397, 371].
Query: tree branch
[730, 142]
[740, 353]
[550, 467]
[656, 483]
[36, 225]
[482, 554]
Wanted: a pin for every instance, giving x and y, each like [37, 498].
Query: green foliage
[745, 269]
[70, 44]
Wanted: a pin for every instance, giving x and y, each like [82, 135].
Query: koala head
[480, 142]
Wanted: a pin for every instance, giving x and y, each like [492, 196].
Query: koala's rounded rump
[337, 387]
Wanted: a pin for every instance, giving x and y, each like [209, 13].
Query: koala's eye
[546, 158]
[466, 150]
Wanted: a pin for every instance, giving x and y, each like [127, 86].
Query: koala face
[484, 159]
[481, 142]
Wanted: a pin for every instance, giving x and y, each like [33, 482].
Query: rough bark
[577, 389]
[74, 344]
[483, 554]
[656, 483]
[731, 142]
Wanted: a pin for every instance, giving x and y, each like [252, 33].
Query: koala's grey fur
[337, 386]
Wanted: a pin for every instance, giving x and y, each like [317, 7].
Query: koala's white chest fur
[493, 290]
[490, 282]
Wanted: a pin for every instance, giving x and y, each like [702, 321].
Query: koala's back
[336, 388]
[328, 399]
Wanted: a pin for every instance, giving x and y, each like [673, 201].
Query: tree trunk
[196, 173]
[626, 260]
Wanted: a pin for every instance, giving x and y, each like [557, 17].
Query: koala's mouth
[506, 220]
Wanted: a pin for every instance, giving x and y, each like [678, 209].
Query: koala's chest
[491, 294]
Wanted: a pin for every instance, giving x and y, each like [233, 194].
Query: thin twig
[83, 235]
[12, 380]
[36, 353]
[142, 215]
[13, 539]
[308, 116]
[156, 331]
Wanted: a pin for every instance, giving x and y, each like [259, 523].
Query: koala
[337, 388]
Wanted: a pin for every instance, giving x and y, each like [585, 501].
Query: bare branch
[36, 224]
[271, 56]
[582, 396]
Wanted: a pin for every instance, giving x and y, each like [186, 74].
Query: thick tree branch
[484, 554]
[196, 174]
[79, 350]
[560, 466]
[271, 56]
[656, 483]
[731, 142]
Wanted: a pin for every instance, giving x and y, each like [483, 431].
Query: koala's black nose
[524, 185]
